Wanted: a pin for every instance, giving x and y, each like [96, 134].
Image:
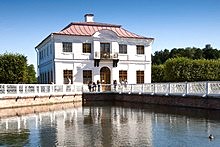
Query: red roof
[90, 28]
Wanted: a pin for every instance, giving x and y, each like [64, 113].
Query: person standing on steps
[115, 84]
[98, 84]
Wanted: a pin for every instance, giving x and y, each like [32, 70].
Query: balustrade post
[17, 89]
[207, 88]
[35, 89]
[186, 88]
[142, 88]
[5, 89]
[155, 90]
[39, 89]
[169, 89]
[64, 88]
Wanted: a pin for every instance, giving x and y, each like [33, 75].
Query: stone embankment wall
[186, 101]
[14, 102]
[19, 111]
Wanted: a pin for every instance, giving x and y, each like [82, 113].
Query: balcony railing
[105, 55]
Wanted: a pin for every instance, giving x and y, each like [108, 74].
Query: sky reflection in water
[118, 124]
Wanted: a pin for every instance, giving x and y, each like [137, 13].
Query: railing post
[169, 89]
[142, 88]
[39, 89]
[64, 88]
[5, 89]
[207, 88]
[17, 89]
[155, 90]
[186, 88]
[82, 89]
[35, 89]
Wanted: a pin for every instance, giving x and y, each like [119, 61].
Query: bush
[158, 73]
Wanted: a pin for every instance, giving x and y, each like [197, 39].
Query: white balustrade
[203, 89]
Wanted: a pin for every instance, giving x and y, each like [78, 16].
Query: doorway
[105, 78]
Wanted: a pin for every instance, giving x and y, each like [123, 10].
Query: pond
[111, 124]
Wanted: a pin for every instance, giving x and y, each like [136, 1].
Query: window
[122, 48]
[140, 49]
[122, 75]
[67, 46]
[105, 50]
[87, 76]
[140, 77]
[86, 47]
[105, 47]
[68, 76]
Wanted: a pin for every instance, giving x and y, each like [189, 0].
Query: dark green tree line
[14, 69]
[208, 52]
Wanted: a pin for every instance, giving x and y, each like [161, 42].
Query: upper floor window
[140, 49]
[67, 46]
[122, 48]
[86, 47]
[105, 47]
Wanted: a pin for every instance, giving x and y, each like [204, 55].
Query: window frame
[67, 47]
[86, 47]
[123, 49]
[67, 74]
[87, 76]
[123, 75]
[140, 76]
[140, 49]
[105, 47]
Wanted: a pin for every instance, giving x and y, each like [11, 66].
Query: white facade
[53, 61]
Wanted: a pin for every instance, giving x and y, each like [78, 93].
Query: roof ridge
[92, 24]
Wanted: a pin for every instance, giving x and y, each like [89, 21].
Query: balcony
[105, 55]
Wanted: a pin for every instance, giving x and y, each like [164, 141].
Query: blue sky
[173, 23]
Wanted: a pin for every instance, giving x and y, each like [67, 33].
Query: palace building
[90, 51]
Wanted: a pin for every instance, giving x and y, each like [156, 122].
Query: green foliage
[184, 69]
[208, 52]
[177, 69]
[158, 73]
[31, 74]
[14, 69]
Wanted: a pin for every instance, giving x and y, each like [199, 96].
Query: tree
[31, 74]
[158, 73]
[14, 69]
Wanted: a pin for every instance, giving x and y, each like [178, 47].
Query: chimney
[89, 17]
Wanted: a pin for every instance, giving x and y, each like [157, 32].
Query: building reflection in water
[109, 125]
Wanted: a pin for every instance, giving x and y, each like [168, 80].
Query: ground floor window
[68, 76]
[122, 75]
[87, 76]
[140, 77]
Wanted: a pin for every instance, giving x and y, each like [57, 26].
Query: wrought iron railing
[203, 89]
[105, 55]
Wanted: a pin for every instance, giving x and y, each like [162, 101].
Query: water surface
[118, 124]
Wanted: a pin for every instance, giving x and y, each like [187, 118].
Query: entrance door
[105, 77]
